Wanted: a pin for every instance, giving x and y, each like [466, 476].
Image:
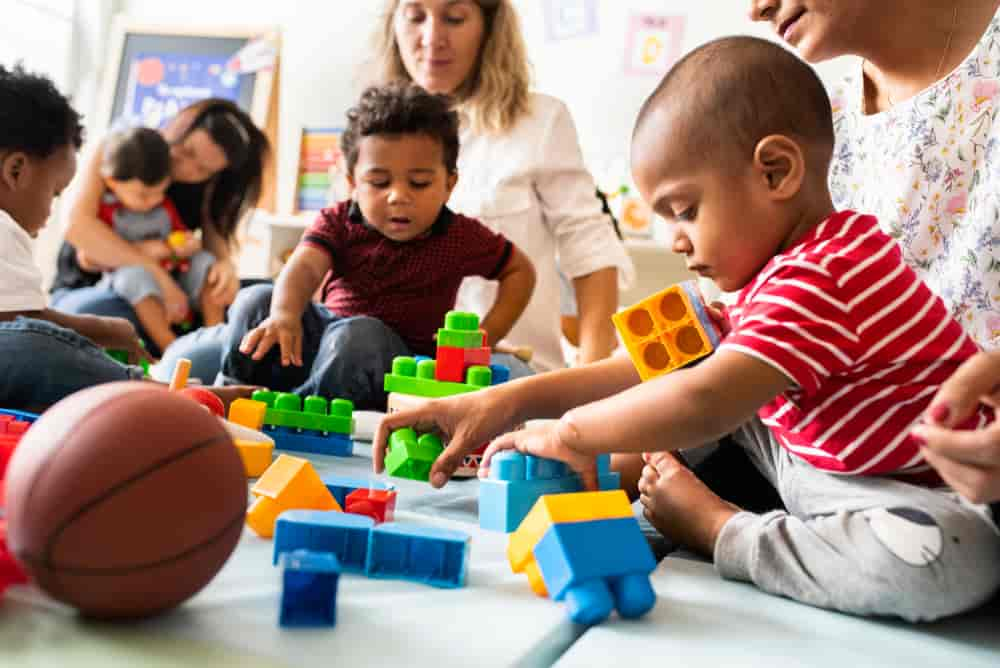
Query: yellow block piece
[289, 483]
[256, 456]
[557, 509]
[663, 332]
[248, 413]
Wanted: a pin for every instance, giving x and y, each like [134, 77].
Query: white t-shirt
[530, 184]
[929, 169]
[20, 278]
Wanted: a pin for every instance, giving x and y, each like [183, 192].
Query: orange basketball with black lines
[124, 500]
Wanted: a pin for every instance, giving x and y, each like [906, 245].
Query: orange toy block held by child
[290, 483]
[667, 330]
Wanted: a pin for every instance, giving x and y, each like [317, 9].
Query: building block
[667, 330]
[410, 456]
[452, 363]
[13, 425]
[337, 445]
[438, 557]
[248, 413]
[256, 456]
[309, 589]
[341, 486]
[452, 338]
[342, 534]
[501, 374]
[314, 414]
[11, 571]
[559, 509]
[597, 566]
[470, 463]
[517, 481]
[289, 483]
[409, 377]
[378, 504]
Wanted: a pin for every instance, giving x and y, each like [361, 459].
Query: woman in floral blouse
[919, 147]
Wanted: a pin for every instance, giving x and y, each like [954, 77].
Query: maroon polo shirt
[407, 285]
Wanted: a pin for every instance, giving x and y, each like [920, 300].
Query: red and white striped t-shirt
[866, 343]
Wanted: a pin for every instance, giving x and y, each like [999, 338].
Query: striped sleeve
[798, 323]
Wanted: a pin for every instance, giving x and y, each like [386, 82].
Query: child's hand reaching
[284, 330]
[120, 334]
[551, 441]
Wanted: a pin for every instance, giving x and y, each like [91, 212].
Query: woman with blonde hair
[520, 165]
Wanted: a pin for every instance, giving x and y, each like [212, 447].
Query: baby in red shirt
[390, 262]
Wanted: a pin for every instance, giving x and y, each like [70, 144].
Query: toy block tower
[462, 365]
[667, 331]
[313, 426]
[586, 549]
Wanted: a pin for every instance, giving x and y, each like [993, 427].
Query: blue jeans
[342, 357]
[41, 363]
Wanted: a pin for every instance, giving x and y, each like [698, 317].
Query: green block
[479, 376]
[286, 410]
[412, 457]
[421, 387]
[461, 321]
[120, 356]
[454, 338]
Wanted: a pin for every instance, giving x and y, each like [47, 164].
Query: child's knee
[134, 284]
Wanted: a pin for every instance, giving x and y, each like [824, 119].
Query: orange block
[667, 330]
[290, 483]
[256, 456]
[248, 413]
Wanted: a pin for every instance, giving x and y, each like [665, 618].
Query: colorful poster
[653, 43]
[322, 179]
[161, 84]
[566, 19]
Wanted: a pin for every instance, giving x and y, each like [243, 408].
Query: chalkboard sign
[154, 70]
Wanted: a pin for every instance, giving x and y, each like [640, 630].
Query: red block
[477, 357]
[378, 504]
[450, 364]
[11, 572]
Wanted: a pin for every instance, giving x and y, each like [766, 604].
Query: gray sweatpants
[862, 545]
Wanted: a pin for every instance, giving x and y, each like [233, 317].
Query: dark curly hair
[139, 153]
[401, 109]
[35, 118]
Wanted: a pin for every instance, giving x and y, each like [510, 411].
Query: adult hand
[120, 334]
[465, 421]
[549, 441]
[223, 281]
[968, 460]
[283, 329]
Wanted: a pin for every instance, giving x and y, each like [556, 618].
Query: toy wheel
[634, 594]
[589, 602]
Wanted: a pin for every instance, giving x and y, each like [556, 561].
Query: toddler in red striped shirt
[834, 350]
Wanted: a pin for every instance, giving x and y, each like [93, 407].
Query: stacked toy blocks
[667, 331]
[374, 498]
[309, 589]
[411, 456]
[517, 481]
[289, 483]
[314, 426]
[433, 556]
[586, 549]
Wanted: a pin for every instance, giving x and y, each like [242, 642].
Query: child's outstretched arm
[292, 292]
[469, 420]
[517, 282]
[683, 409]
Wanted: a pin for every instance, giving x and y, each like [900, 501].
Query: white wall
[325, 40]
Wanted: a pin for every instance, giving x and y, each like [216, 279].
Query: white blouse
[21, 283]
[929, 168]
[531, 185]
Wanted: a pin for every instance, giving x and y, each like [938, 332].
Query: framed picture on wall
[155, 70]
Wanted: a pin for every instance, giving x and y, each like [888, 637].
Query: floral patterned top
[929, 170]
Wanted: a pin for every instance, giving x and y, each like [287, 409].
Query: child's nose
[680, 242]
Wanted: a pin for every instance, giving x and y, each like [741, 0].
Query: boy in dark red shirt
[390, 262]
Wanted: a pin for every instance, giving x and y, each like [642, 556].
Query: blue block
[422, 358]
[309, 589]
[340, 486]
[596, 566]
[23, 416]
[341, 534]
[313, 442]
[517, 481]
[433, 556]
[501, 374]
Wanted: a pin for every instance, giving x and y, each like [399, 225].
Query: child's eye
[455, 20]
[420, 184]
[414, 16]
[687, 215]
[379, 184]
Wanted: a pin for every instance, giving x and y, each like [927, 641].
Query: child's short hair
[139, 153]
[35, 118]
[401, 109]
[732, 92]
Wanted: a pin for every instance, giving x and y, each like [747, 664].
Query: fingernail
[940, 412]
[438, 480]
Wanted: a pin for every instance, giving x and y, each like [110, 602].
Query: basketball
[124, 500]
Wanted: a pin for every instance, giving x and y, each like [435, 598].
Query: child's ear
[781, 165]
[451, 181]
[13, 169]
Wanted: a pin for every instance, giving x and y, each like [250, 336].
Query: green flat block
[453, 338]
[285, 410]
[461, 321]
[422, 387]
[412, 457]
